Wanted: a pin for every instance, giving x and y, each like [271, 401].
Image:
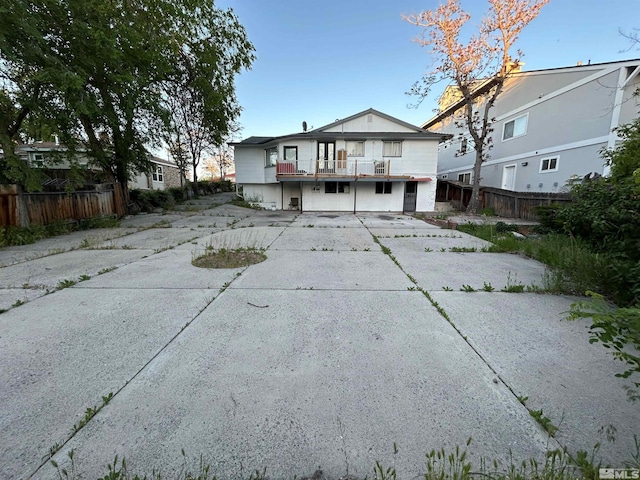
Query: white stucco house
[550, 125]
[369, 161]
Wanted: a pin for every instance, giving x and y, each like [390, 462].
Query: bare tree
[477, 68]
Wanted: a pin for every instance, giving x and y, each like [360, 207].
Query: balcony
[321, 168]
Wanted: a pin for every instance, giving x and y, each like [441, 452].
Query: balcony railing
[334, 168]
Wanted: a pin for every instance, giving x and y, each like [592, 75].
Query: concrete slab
[170, 269]
[12, 297]
[266, 221]
[326, 220]
[392, 220]
[48, 271]
[540, 355]
[63, 352]
[229, 210]
[146, 220]
[325, 270]
[435, 270]
[155, 239]
[304, 238]
[202, 221]
[323, 380]
[61, 243]
[255, 237]
[434, 243]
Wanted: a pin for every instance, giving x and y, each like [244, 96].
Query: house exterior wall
[569, 116]
[369, 123]
[419, 158]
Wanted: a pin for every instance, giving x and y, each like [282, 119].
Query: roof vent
[369, 118]
[304, 126]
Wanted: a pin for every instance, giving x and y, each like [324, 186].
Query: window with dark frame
[336, 187]
[383, 187]
[290, 154]
[463, 146]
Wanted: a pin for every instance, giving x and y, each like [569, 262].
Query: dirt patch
[229, 259]
[385, 217]
[328, 216]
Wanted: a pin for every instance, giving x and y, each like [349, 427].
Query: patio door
[326, 157]
[410, 196]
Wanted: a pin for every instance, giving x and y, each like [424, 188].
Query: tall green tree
[106, 63]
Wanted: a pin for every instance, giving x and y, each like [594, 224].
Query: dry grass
[223, 258]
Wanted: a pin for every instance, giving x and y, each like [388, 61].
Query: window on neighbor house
[392, 149]
[549, 164]
[463, 146]
[515, 128]
[38, 159]
[290, 154]
[271, 157]
[158, 174]
[336, 187]
[383, 187]
[355, 149]
[464, 177]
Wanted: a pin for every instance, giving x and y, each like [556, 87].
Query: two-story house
[369, 161]
[550, 126]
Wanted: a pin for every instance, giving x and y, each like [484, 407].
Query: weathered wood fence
[18, 208]
[504, 203]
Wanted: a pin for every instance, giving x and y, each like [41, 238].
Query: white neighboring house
[369, 161]
[164, 174]
[550, 126]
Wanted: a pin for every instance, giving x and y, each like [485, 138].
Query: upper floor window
[290, 154]
[549, 164]
[355, 149]
[515, 128]
[392, 149]
[463, 146]
[271, 157]
[158, 174]
[37, 159]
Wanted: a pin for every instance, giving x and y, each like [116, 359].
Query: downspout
[282, 196]
[301, 210]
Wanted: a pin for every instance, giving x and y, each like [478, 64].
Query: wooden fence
[504, 203]
[24, 209]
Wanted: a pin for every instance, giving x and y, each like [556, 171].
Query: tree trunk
[196, 190]
[474, 203]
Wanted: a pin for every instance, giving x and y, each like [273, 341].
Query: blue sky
[320, 60]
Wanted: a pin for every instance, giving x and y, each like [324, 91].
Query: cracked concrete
[319, 358]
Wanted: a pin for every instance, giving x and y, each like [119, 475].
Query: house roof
[162, 161]
[320, 133]
[489, 83]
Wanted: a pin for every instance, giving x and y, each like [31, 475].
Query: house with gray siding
[369, 161]
[550, 126]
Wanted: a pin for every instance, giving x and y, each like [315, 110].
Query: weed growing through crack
[427, 249]
[17, 303]
[545, 422]
[467, 288]
[487, 287]
[447, 289]
[65, 284]
[84, 278]
[91, 412]
[106, 270]
[463, 249]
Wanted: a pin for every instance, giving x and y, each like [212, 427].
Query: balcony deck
[314, 169]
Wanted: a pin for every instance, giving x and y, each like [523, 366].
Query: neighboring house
[369, 161]
[550, 126]
[164, 174]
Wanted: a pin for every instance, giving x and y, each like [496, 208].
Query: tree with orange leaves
[477, 68]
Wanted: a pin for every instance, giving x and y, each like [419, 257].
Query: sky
[322, 60]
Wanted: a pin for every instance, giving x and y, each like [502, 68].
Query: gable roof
[483, 87]
[320, 133]
[367, 112]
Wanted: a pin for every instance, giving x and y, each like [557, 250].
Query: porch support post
[355, 194]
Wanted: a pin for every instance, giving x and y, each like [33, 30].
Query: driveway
[353, 335]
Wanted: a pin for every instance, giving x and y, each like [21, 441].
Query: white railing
[338, 168]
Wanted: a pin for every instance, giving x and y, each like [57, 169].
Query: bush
[149, 200]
